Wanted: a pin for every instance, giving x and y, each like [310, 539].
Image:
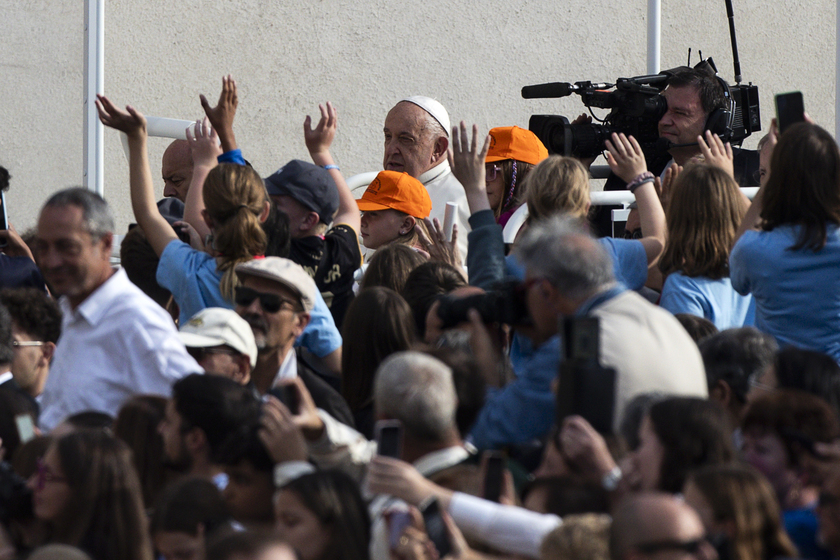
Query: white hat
[433, 107]
[286, 272]
[215, 326]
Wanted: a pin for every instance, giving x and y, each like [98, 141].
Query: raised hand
[221, 116]
[400, 479]
[466, 160]
[666, 186]
[625, 157]
[281, 437]
[585, 448]
[14, 244]
[437, 246]
[307, 418]
[716, 153]
[319, 139]
[205, 144]
[130, 121]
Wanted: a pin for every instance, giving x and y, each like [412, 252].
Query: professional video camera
[504, 304]
[635, 109]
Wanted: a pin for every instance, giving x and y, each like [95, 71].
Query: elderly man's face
[409, 147]
[273, 330]
[177, 170]
[71, 260]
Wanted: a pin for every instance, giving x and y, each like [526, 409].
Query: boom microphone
[553, 89]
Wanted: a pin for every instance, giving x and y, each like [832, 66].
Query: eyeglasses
[689, 547]
[24, 343]
[491, 171]
[43, 475]
[633, 233]
[200, 353]
[270, 303]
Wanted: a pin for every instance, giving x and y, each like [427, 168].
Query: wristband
[641, 179]
[328, 167]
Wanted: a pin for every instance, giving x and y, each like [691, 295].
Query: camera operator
[568, 273]
[694, 98]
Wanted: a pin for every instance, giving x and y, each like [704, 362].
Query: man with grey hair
[417, 390]
[568, 273]
[116, 342]
[417, 142]
[732, 358]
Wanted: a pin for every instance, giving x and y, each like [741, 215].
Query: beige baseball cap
[285, 272]
[215, 326]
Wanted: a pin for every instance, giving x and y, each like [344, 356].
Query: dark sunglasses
[270, 303]
[689, 547]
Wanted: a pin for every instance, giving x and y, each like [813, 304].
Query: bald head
[657, 521]
[177, 169]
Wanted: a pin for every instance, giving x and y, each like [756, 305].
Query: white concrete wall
[363, 56]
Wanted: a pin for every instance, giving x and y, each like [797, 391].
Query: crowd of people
[489, 380]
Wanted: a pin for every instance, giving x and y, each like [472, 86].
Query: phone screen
[3, 216]
[494, 476]
[436, 528]
[25, 427]
[790, 109]
[389, 438]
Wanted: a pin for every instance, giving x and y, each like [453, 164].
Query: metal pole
[94, 83]
[654, 35]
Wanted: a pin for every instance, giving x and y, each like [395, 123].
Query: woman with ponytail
[229, 209]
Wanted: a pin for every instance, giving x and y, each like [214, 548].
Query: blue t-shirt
[713, 299]
[192, 278]
[628, 257]
[797, 293]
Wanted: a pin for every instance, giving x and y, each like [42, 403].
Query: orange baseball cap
[512, 142]
[396, 191]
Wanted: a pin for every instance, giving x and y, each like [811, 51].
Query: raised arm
[205, 151]
[221, 116]
[753, 216]
[467, 163]
[133, 124]
[626, 159]
[318, 142]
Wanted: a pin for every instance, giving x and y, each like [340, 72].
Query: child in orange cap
[513, 153]
[393, 207]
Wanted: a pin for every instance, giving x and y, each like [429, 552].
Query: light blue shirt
[797, 293]
[193, 279]
[713, 299]
[627, 255]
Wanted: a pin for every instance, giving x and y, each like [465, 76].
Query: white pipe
[162, 127]
[654, 34]
[94, 169]
[608, 198]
